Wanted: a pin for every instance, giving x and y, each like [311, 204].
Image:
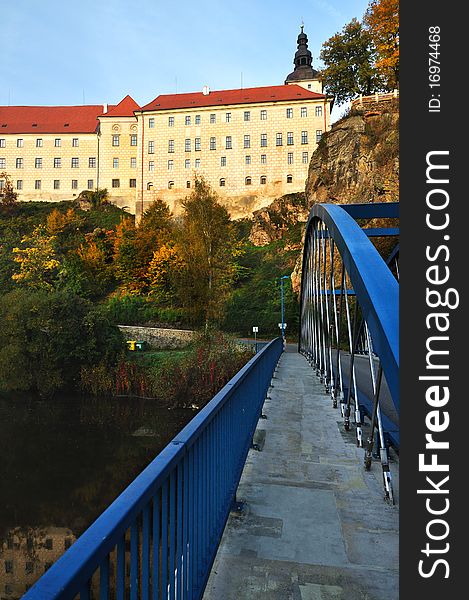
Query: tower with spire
[304, 74]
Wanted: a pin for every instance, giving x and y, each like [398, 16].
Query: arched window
[248, 181]
[149, 186]
[170, 185]
[289, 178]
[188, 184]
[222, 182]
[263, 179]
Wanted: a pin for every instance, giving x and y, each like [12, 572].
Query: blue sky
[62, 51]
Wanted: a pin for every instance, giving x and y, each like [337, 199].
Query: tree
[38, 264]
[349, 58]
[207, 247]
[382, 21]
[8, 196]
[164, 270]
[48, 336]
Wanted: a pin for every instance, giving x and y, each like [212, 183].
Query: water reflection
[62, 463]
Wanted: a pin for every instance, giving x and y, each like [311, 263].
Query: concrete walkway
[315, 525]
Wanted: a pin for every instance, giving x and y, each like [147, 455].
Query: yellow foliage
[37, 262]
[382, 21]
[57, 221]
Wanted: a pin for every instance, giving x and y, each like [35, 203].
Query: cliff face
[358, 160]
[270, 223]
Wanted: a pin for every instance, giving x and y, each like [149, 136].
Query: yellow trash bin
[131, 344]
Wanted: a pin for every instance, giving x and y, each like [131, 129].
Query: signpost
[255, 330]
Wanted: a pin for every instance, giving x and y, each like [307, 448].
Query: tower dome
[303, 62]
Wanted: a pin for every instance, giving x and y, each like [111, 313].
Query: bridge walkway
[314, 524]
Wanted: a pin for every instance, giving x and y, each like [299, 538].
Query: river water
[62, 462]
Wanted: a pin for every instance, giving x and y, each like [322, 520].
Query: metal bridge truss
[349, 321]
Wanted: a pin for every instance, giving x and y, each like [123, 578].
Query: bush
[47, 337]
[139, 310]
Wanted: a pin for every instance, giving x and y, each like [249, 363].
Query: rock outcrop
[270, 223]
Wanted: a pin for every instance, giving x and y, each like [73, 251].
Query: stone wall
[158, 338]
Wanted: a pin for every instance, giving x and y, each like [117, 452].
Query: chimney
[105, 108]
[205, 90]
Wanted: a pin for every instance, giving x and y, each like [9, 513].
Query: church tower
[304, 74]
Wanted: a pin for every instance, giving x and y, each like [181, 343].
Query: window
[263, 180]
[90, 184]
[133, 162]
[304, 137]
[132, 183]
[37, 184]
[170, 146]
[92, 162]
[197, 163]
[19, 163]
[187, 163]
[222, 182]
[197, 122]
[228, 117]
[263, 115]
[318, 135]
[247, 115]
[19, 143]
[75, 142]
[304, 111]
[39, 143]
[56, 187]
[263, 140]
[170, 185]
[278, 139]
[116, 140]
[248, 181]
[290, 158]
[151, 122]
[263, 159]
[223, 161]
[19, 184]
[75, 163]
[197, 144]
[149, 186]
[318, 111]
[57, 142]
[133, 139]
[170, 121]
[228, 142]
[3, 163]
[213, 143]
[151, 147]
[290, 138]
[289, 113]
[247, 141]
[247, 159]
[2, 143]
[170, 165]
[38, 163]
[305, 158]
[289, 178]
[151, 165]
[213, 118]
[188, 183]
[116, 183]
[309, 86]
[187, 145]
[57, 163]
[74, 184]
[187, 120]
[115, 163]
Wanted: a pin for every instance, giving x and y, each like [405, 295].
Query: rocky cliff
[356, 161]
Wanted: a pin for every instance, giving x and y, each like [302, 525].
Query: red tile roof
[49, 119]
[275, 93]
[125, 108]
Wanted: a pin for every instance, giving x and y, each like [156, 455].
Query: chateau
[252, 145]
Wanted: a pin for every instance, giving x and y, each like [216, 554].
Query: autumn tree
[37, 260]
[207, 247]
[349, 63]
[382, 22]
[163, 273]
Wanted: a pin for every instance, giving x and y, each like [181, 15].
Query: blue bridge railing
[350, 318]
[159, 538]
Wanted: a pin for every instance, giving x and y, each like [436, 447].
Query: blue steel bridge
[285, 485]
